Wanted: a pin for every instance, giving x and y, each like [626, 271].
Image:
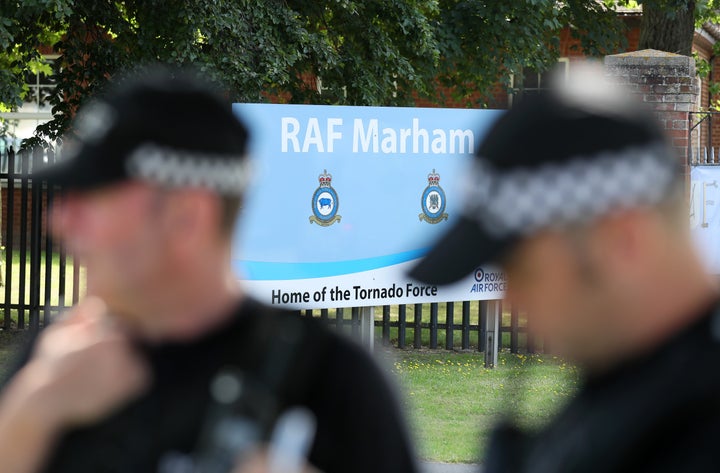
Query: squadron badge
[433, 200]
[325, 202]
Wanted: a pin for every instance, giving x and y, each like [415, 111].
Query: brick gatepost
[667, 83]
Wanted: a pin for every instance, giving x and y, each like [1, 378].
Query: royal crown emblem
[433, 200]
[325, 202]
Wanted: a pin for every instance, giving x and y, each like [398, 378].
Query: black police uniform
[657, 413]
[359, 425]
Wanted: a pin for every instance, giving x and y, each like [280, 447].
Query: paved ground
[450, 468]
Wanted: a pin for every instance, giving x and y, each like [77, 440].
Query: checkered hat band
[179, 168]
[522, 201]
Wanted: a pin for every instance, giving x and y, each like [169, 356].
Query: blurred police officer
[577, 196]
[166, 366]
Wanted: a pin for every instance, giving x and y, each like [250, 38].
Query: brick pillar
[666, 82]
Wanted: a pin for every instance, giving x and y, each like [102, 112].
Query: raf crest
[325, 202]
[433, 200]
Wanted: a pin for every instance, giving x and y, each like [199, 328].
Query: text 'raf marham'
[369, 136]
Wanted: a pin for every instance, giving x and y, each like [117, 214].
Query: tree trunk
[668, 25]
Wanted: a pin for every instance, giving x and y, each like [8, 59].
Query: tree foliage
[365, 52]
[371, 51]
[487, 40]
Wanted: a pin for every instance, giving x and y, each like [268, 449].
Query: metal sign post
[492, 333]
[367, 327]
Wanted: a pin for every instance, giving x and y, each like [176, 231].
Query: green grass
[453, 401]
[55, 297]
[54, 280]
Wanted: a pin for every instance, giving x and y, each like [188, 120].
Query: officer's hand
[84, 367]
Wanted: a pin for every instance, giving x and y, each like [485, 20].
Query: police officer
[576, 194]
[166, 365]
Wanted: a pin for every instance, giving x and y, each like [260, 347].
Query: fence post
[49, 260]
[367, 327]
[76, 282]
[62, 279]
[339, 316]
[417, 331]
[35, 242]
[449, 326]
[386, 325]
[9, 239]
[482, 321]
[492, 333]
[434, 325]
[355, 321]
[48, 200]
[25, 191]
[402, 322]
[465, 325]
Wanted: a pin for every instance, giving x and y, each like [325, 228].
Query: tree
[668, 25]
[369, 52]
[363, 52]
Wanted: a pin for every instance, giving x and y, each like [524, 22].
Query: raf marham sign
[344, 200]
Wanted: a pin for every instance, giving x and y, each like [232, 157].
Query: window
[40, 86]
[36, 108]
[337, 94]
[534, 82]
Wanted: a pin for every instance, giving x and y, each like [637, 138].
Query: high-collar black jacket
[299, 362]
[657, 413]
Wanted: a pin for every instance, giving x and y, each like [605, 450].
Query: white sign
[344, 200]
[705, 214]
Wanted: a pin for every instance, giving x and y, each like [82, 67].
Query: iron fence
[39, 279]
[449, 326]
[703, 139]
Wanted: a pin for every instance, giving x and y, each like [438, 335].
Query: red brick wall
[666, 82]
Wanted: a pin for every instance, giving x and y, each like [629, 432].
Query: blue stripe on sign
[271, 271]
